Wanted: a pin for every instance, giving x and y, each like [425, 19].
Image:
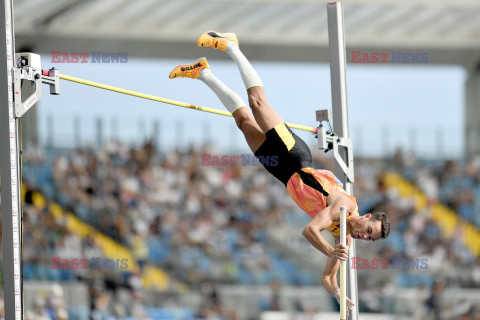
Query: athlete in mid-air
[317, 192]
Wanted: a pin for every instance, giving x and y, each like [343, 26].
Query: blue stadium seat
[41, 272]
[79, 313]
[170, 313]
[305, 278]
[159, 251]
[28, 271]
[244, 276]
[413, 280]
[55, 274]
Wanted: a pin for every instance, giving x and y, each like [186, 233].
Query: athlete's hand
[340, 252]
[350, 303]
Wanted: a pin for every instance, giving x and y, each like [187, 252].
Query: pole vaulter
[318, 192]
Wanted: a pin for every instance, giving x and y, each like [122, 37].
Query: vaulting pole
[343, 264]
[336, 36]
[10, 172]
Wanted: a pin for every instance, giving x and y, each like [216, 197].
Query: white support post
[10, 172]
[336, 36]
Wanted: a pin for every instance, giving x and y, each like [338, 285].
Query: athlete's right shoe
[191, 70]
[216, 40]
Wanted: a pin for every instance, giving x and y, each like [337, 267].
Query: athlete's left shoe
[191, 70]
[216, 40]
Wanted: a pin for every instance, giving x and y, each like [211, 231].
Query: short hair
[381, 216]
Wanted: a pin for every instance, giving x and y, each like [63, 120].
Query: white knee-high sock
[249, 76]
[230, 99]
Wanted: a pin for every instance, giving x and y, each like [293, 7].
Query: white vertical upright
[336, 37]
[10, 172]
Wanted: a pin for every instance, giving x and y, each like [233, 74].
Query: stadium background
[117, 178]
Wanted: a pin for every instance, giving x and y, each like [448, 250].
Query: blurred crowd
[208, 224]
[453, 183]
[415, 235]
[200, 223]
[45, 237]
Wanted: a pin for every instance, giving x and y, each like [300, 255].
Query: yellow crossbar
[165, 100]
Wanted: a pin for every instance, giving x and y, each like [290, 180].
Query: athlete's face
[366, 229]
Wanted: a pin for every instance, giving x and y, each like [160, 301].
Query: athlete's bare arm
[322, 221]
[312, 231]
[329, 276]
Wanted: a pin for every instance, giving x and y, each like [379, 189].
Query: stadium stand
[209, 226]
